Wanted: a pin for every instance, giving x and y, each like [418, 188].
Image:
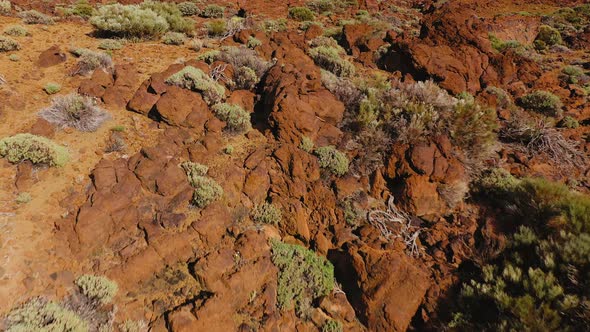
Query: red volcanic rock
[51, 57]
[176, 104]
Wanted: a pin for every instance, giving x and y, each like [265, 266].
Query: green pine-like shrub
[542, 102]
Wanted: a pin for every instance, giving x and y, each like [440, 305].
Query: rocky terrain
[323, 165]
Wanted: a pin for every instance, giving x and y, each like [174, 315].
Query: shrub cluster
[81, 8]
[110, 44]
[42, 315]
[35, 17]
[216, 28]
[253, 42]
[329, 59]
[332, 160]
[5, 7]
[236, 118]
[52, 88]
[207, 190]
[270, 26]
[37, 149]
[195, 79]
[75, 111]
[539, 280]
[306, 144]
[173, 16]
[303, 276]
[188, 8]
[8, 44]
[97, 288]
[267, 213]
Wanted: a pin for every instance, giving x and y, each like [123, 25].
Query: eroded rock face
[51, 57]
[114, 89]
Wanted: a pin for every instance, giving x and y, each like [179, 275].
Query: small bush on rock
[195, 45]
[193, 171]
[306, 144]
[173, 38]
[133, 326]
[16, 31]
[569, 122]
[548, 36]
[5, 7]
[277, 25]
[542, 102]
[213, 11]
[267, 213]
[329, 59]
[89, 61]
[216, 28]
[36, 149]
[75, 111]
[301, 14]
[236, 118]
[35, 17]
[23, 198]
[303, 276]
[332, 326]
[332, 160]
[195, 79]
[42, 315]
[206, 191]
[245, 78]
[97, 288]
[8, 44]
[253, 42]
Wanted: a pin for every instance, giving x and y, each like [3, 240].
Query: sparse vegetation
[5, 7]
[213, 11]
[206, 191]
[306, 144]
[332, 326]
[170, 12]
[236, 118]
[14, 57]
[195, 79]
[52, 88]
[97, 288]
[332, 160]
[129, 22]
[569, 122]
[8, 44]
[16, 31]
[267, 213]
[75, 111]
[542, 102]
[303, 277]
[81, 8]
[245, 78]
[547, 37]
[216, 28]
[270, 26]
[253, 42]
[572, 74]
[42, 315]
[36, 149]
[89, 61]
[173, 38]
[35, 17]
[133, 326]
[195, 45]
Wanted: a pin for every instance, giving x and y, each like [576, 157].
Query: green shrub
[473, 127]
[548, 36]
[236, 118]
[89, 61]
[329, 59]
[228, 149]
[213, 11]
[5, 7]
[332, 326]
[270, 26]
[97, 288]
[245, 78]
[501, 45]
[195, 79]
[301, 14]
[572, 74]
[118, 128]
[170, 12]
[332, 160]
[41, 315]
[542, 102]
[133, 326]
[216, 28]
[538, 281]
[253, 42]
[129, 21]
[173, 38]
[189, 8]
[206, 191]
[52, 88]
[14, 57]
[16, 31]
[23, 198]
[303, 276]
[267, 213]
[110, 44]
[195, 45]
[35, 17]
[569, 122]
[75, 111]
[80, 8]
[37, 149]
[8, 44]
[306, 144]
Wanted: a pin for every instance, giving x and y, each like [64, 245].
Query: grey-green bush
[8, 44]
[129, 21]
[97, 288]
[36, 149]
[195, 79]
[332, 160]
[236, 118]
[542, 102]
